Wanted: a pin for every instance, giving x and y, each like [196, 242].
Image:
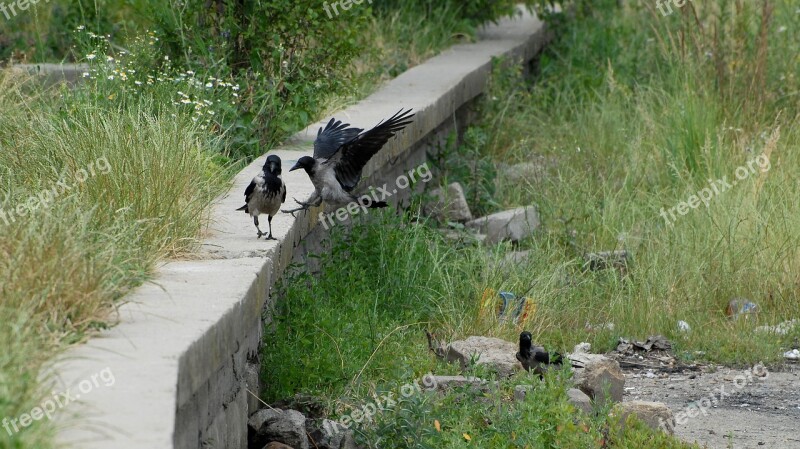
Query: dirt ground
[720, 407]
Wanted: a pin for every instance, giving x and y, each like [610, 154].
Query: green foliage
[138, 186]
[473, 12]
[467, 164]
[287, 55]
[372, 299]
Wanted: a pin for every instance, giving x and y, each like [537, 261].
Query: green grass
[629, 113]
[645, 132]
[357, 331]
[137, 189]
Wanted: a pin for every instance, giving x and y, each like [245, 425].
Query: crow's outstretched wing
[355, 154]
[332, 137]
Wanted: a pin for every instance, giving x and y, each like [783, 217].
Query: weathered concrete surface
[183, 353]
[55, 73]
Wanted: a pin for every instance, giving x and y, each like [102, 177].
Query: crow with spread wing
[340, 154]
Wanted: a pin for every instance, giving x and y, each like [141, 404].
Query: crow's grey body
[265, 194]
[327, 188]
[340, 154]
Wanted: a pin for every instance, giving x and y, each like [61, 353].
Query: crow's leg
[316, 200]
[255, 221]
[270, 237]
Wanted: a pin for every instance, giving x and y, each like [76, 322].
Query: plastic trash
[741, 307]
[684, 326]
[508, 306]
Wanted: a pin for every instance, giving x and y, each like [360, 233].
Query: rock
[594, 374]
[780, 329]
[655, 414]
[514, 224]
[653, 343]
[283, 426]
[582, 348]
[497, 354]
[514, 259]
[524, 172]
[683, 326]
[276, 445]
[332, 435]
[463, 236]
[521, 391]
[449, 204]
[580, 400]
[606, 259]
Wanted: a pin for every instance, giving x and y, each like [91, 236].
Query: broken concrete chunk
[449, 204]
[597, 375]
[275, 425]
[655, 414]
[497, 354]
[580, 400]
[514, 224]
[330, 434]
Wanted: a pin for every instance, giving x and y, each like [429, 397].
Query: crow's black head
[273, 165]
[306, 163]
[525, 341]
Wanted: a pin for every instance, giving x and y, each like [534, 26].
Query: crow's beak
[296, 166]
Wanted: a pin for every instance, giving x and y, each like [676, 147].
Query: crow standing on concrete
[340, 154]
[536, 358]
[265, 194]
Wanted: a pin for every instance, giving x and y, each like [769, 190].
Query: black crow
[265, 194]
[340, 154]
[536, 358]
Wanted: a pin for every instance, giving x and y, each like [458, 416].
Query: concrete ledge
[185, 356]
[55, 73]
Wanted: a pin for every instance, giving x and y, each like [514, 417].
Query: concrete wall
[184, 356]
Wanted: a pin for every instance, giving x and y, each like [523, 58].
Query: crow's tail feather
[244, 208]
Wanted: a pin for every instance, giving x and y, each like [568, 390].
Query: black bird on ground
[265, 194]
[340, 154]
[536, 358]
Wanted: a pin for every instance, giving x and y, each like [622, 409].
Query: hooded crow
[265, 194]
[536, 358]
[340, 154]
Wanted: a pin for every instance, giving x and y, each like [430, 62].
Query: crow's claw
[303, 206]
[270, 237]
